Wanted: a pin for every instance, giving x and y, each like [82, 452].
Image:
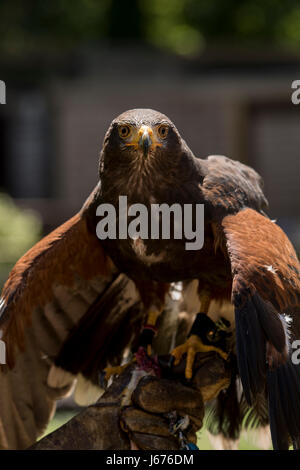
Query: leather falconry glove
[143, 411]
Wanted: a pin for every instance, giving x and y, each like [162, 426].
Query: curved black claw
[146, 337]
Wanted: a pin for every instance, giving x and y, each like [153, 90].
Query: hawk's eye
[163, 131]
[124, 131]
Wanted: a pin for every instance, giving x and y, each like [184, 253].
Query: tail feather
[231, 413]
[225, 418]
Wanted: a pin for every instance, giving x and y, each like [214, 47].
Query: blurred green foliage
[19, 231]
[182, 26]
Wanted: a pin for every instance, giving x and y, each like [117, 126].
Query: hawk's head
[140, 140]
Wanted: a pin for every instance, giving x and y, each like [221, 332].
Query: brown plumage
[245, 258]
[52, 291]
[68, 251]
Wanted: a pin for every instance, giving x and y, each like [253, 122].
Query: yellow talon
[116, 370]
[151, 322]
[153, 316]
[191, 347]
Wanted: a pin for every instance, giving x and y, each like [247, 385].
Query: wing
[266, 296]
[60, 292]
[229, 186]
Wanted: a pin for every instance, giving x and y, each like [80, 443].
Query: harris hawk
[74, 297]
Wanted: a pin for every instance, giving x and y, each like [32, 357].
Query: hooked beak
[145, 140]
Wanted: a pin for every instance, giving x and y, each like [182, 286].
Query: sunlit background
[222, 71]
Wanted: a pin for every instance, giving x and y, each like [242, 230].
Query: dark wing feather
[266, 293]
[111, 324]
[229, 186]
